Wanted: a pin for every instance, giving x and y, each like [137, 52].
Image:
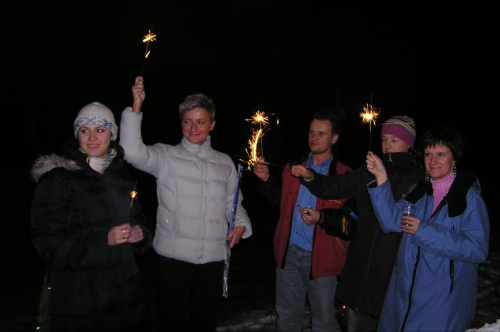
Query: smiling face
[94, 140]
[438, 161]
[321, 138]
[393, 144]
[196, 125]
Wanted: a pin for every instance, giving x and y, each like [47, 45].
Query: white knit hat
[96, 114]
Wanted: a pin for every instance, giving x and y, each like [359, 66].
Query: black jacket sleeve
[340, 222]
[270, 191]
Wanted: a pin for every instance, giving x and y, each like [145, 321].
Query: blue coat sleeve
[461, 238]
[385, 208]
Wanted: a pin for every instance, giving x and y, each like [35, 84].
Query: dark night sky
[435, 63]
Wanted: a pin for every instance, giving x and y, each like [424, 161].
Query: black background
[435, 63]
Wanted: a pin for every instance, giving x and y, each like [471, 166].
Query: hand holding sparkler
[375, 166]
[301, 171]
[136, 234]
[119, 234]
[235, 235]
[309, 216]
[138, 94]
[261, 170]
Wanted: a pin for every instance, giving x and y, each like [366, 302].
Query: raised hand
[261, 170]
[138, 94]
[375, 166]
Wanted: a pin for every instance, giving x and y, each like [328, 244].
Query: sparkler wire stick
[259, 162]
[235, 201]
[261, 143]
[133, 194]
[233, 213]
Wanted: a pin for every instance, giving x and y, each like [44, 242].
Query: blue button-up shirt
[302, 234]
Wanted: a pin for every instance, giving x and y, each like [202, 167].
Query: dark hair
[197, 100]
[336, 116]
[446, 136]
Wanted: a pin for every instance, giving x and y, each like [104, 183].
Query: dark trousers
[189, 294]
[358, 322]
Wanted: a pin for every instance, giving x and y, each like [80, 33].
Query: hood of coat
[47, 163]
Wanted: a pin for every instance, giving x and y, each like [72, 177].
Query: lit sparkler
[149, 38]
[261, 119]
[133, 195]
[255, 150]
[369, 115]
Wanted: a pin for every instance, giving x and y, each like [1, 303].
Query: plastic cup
[408, 210]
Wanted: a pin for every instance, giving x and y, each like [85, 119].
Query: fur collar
[47, 163]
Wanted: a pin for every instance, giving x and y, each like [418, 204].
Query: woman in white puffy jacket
[195, 188]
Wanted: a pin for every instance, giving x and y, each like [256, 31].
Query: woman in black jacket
[372, 253]
[86, 226]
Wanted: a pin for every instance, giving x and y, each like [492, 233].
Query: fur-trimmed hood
[47, 163]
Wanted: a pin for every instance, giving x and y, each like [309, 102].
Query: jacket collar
[457, 195]
[199, 150]
[400, 160]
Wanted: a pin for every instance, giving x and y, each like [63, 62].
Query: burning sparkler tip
[369, 114]
[150, 37]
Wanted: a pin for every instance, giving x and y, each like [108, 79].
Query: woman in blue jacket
[433, 285]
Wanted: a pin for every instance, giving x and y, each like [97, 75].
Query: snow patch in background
[495, 327]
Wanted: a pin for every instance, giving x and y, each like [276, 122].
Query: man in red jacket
[308, 260]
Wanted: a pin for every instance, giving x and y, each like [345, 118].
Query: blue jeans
[293, 284]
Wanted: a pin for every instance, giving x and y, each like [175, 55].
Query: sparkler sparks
[369, 115]
[253, 149]
[259, 118]
[133, 195]
[148, 38]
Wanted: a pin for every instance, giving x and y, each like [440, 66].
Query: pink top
[440, 189]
